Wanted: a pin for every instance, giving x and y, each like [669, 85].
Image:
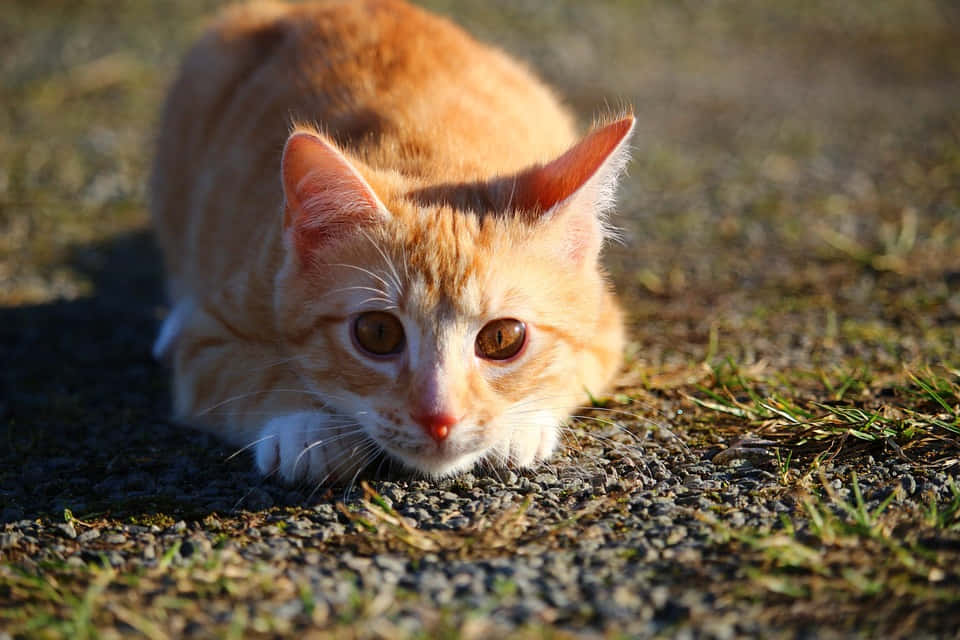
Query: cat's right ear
[574, 191]
[325, 197]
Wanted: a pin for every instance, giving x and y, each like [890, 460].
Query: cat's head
[454, 324]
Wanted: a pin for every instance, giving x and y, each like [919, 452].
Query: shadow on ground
[78, 378]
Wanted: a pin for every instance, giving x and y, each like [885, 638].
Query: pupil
[500, 337]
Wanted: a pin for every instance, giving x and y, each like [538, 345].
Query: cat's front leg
[310, 447]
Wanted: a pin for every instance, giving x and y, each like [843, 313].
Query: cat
[380, 237]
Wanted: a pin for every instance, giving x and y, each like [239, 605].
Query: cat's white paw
[535, 441]
[293, 446]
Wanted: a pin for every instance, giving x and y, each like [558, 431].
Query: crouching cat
[380, 236]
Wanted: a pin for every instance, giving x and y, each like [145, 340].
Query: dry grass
[792, 280]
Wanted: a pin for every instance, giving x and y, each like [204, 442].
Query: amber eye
[378, 333]
[501, 339]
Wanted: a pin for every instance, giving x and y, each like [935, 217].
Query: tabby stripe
[232, 329]
[193, 348]
[298, 338]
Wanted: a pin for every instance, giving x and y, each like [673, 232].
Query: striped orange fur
[439, 184]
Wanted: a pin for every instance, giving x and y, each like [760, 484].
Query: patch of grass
[76, 599]
[914, 411]
[946, 516]
[387, 529]
[160, 519]
[782, 266]
[893, 247]
[839, 552]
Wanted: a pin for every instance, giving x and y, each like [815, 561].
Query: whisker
[362, 269]
[565, 397]
[660, 426]
[390, 304]
[279, 362]
[361, 467]
[247, 447]
[390, 265]
[370, 451]
[324, 442]
[361, 448]
[242, 396]
[358, 287]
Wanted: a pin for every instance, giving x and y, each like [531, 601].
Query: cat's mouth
[435, 459]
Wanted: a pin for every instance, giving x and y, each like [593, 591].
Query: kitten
[416, 274]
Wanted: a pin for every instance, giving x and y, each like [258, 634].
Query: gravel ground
[780, 458]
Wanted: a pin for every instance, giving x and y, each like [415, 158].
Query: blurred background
[795, 182]
[792, 239]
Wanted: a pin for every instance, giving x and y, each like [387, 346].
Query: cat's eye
[501, 339]
[379, 333]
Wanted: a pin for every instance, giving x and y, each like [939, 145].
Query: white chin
[438, 465]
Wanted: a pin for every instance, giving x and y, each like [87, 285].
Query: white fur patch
[171, 329]
[533, 440]
[306, 447]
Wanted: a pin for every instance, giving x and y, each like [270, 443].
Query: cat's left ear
[574, 191]
[325, 197]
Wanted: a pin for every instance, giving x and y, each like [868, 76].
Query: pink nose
[437, 425]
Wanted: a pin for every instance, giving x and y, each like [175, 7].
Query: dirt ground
[791, 273]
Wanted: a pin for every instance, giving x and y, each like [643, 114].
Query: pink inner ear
[541, 188]
[325, 196]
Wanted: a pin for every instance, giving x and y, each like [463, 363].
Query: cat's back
[403, 89]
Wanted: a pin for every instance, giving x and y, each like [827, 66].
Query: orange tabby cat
[415, 272]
